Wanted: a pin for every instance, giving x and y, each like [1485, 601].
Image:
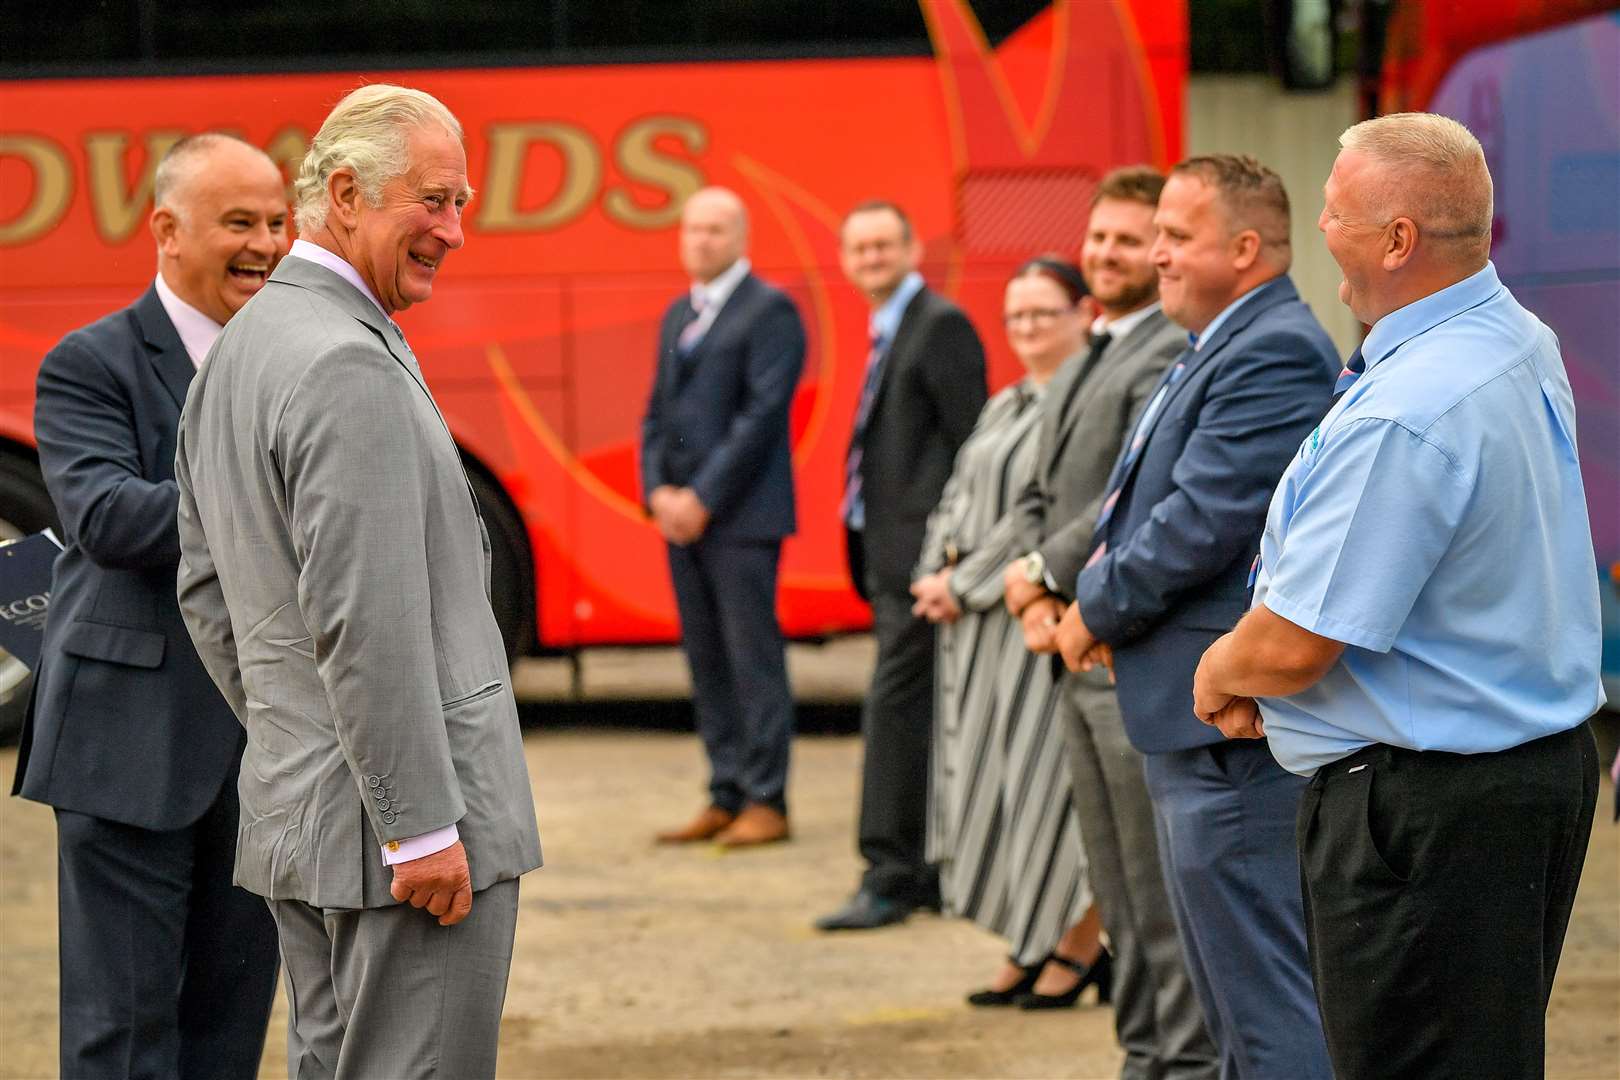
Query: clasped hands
[1237, 717]
[1049, 627]
[440, 882]
[935, 601]
[680, 516]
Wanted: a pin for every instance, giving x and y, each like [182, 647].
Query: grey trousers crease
[1157, 1018]
[726, 594]
[389, 994]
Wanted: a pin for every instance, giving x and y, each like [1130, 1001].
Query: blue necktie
[1354, 368]
[854, 508]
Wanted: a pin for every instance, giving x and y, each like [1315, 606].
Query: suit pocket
[468, 698]
[113, 644]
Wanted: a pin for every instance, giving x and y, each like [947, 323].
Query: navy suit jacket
[717, 419]
[1184, 533]
[125, 723]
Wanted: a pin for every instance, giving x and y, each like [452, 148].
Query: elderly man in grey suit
[334, 576]
[1095, 403]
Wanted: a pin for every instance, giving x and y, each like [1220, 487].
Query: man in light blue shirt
[1425, 636]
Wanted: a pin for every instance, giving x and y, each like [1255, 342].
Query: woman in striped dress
[1001, 825]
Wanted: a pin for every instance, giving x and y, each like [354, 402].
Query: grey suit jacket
[334, 575]
[1057, 513]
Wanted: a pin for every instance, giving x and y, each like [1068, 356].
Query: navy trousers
[168, 970]
[1225, 816]
[726, 595]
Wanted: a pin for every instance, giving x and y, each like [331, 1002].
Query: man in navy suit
[1169, 574]
[167, 969]
[717, 478]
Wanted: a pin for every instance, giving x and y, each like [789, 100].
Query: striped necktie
[854, 509]
[692, 332]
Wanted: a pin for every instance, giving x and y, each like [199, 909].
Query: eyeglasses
[1035, 316]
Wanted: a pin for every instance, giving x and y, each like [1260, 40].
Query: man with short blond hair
[1175, 537]
[1425, 638]
[334, 574]
[167, 968]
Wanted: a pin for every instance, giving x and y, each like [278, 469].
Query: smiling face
[1354, 236]
[223, 229]
[398, 245]
[1043, 326]
[876, 252]
[1196, 253]
[1116, 257]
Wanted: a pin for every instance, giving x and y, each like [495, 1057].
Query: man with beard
[1095, 402]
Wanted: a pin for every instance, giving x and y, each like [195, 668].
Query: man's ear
[1245, 249]
[344, 197]
[164, 224]
[1402, 242]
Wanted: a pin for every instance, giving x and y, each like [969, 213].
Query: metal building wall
[1296, 134]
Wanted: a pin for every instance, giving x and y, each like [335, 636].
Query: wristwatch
[1035, 569]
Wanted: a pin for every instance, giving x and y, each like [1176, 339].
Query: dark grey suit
[1156, 1015]
[334, 575]
[167, 969]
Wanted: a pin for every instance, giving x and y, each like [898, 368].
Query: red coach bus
[539, 343]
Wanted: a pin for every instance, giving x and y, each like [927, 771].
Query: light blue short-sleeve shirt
[1435, 522]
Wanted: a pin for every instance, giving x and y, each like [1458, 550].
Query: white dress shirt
[197, 331]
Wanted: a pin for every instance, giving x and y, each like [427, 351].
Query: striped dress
[1001, 823]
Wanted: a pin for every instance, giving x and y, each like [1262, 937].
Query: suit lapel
[1179, 374]
[318, 279]
[168, 353]
[910, 321]
[686, 365]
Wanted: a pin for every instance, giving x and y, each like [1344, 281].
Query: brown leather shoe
[706, 826]
[757, 824]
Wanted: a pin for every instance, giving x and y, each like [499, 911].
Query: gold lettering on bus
[638, 157]
[53, 187]
[509, 145]
[117, 207]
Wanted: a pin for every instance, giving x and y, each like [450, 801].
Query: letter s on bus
[636, 154]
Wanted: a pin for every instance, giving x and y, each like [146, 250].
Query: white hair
[1433, 171]
[181, 162]
[365, 133]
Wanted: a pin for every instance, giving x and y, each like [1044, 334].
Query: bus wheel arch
[513, 587]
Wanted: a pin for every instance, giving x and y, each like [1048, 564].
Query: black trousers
[897, 724]
[1437, 891]
[726, 594]
[168, 970]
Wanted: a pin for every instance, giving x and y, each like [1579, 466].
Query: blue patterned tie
[853, 510]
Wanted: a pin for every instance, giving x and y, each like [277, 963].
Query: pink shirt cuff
[417, 847]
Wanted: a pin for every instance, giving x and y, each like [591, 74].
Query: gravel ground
[635, 961]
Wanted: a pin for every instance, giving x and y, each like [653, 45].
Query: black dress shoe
[1100, 974]
[866, 911]
[1009, 996]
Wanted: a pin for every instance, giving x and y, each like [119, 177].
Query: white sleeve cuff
[417, 847]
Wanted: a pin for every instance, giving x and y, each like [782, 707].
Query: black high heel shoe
[1100, 973]
[1009, 996]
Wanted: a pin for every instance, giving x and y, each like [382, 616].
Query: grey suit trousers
[389, 994]
[1156, 1015]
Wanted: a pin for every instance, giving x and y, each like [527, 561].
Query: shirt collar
[1209, 331]
[1421, 316]
[197, 331]
[336, 263]
[719, 290]
[1118, 328]
[886, 319]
